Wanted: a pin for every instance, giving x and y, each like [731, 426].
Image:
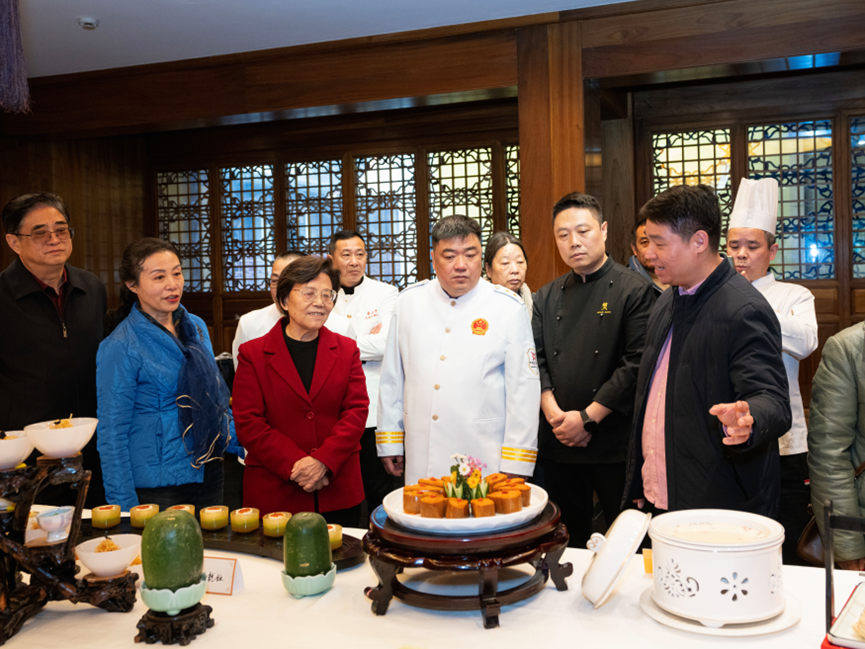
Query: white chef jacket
[459, 376]
[794, 306]
[371, 303]
[256, 323]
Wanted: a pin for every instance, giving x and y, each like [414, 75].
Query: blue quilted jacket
[139, 436]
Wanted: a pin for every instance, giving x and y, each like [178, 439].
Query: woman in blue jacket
[163, 407]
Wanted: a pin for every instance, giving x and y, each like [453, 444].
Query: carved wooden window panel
[386, 214]
[184, 218]
[512, 180]
[248, 228]
[857, 151]
[799, 156]
[313, 204]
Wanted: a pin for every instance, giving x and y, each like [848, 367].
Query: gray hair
[456, 226]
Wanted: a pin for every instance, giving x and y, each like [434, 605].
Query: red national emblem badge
[480, 326]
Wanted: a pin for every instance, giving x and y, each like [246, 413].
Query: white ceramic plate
[789, 618]
[393, 506]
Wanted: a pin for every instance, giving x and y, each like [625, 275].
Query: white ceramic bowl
[109, 564]
[612, 553]
[717, 566]
[14, 449]
[56, 522]
[62, 442]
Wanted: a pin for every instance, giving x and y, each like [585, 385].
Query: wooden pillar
[552, 162]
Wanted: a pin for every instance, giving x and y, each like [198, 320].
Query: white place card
[224, 576]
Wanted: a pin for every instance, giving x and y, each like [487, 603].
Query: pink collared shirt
[654, 450]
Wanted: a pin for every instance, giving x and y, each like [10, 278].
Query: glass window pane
[693, 158]
[313, 204]
[183, 211]
[461, 182]
[799, 156]
[386, 216]
[857, 150]
[248, 242]
[512, 178]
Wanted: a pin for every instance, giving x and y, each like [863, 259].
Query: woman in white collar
[506, 264]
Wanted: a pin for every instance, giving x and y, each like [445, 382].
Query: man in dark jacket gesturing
[712, 397]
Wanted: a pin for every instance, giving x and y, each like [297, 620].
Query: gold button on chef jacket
[472, 365]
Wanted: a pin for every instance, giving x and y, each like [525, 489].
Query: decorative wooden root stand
[51, 566]
[174, 629]
[392, 548]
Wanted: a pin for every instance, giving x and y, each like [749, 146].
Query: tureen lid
[612, 553]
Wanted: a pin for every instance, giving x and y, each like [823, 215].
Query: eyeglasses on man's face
[63, 233]
[308, 294]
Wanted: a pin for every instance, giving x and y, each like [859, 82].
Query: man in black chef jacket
[589, 327]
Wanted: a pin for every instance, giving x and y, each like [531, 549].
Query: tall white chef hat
[756, 205]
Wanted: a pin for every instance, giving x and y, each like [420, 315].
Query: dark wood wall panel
[212, 91]
[708, 34]
[102, 182]
[617, 199]
[552, 161]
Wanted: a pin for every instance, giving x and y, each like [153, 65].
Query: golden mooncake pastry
[507, 502]
[494, 478]
[483, 507]
[411, 499]
[525, 492]
[431, 482]
[457, 508]
[433, 506]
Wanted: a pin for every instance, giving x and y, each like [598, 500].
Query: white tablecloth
[265, 615]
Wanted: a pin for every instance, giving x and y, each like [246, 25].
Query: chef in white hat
[751, 247]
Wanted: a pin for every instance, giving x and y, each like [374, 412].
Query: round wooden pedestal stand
[174, 629]
[392, 548]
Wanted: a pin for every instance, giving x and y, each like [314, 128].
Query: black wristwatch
[589, 424]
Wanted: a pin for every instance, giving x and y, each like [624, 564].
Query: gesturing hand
[738, 420]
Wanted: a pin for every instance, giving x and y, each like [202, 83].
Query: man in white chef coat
[256, 323]
[367, 305]
[460, 373]
[751, 246]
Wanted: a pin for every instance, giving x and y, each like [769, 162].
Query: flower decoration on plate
[465, 479]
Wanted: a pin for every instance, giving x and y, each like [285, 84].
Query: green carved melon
[307, 545]
[172, 551]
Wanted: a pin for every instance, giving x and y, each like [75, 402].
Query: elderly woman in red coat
[300, 404]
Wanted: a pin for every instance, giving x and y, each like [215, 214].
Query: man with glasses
[51, 327]
[368, 305]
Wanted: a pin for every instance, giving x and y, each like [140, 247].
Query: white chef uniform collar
[756, 205]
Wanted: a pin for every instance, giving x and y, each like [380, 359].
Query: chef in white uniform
[366, 305]
[751, 246]
[460, 372]
[256, 323]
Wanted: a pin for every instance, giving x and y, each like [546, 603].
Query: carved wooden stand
[52, 566]
[539, 543]
[174, 629]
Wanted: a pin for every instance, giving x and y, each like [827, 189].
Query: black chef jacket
[589, 338]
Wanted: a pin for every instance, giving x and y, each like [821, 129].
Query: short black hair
[498, 241]
[636, 227]
[576, 200]
[455, 226]
[686, 209]
[291, 253]
[20, 206]
[343, 235]
[303, 271]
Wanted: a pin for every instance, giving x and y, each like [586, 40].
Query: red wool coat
[278, 423]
